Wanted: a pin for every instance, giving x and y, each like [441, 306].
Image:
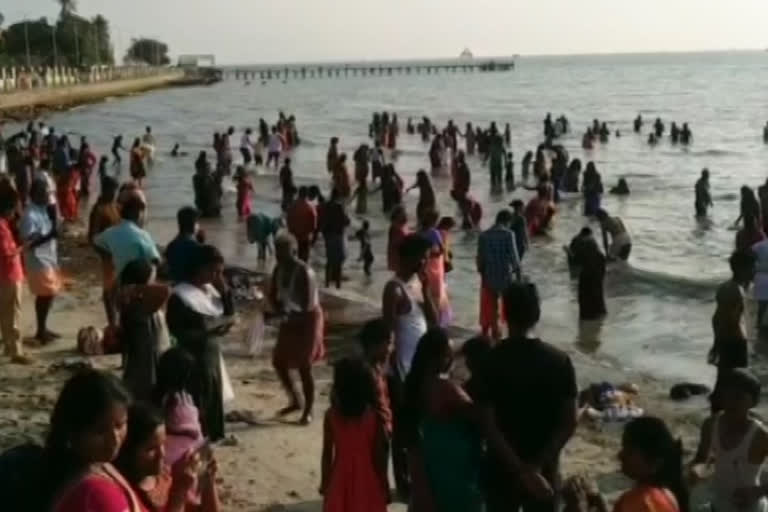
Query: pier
[302, 72]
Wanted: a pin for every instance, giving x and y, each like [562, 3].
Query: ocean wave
[669, 284]
[731, 196]
[715, 152]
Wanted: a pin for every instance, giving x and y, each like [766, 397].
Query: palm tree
[67, 6]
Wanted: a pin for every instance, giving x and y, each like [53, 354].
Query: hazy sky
[253, 31]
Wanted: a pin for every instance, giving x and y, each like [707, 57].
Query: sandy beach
[274, 464]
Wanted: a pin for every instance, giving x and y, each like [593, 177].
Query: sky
[261, 31]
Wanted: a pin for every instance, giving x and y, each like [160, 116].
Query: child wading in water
[354, 463]
[244, 190]
[366, 253]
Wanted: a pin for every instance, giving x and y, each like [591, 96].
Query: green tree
[67, 7]
[39, 34]
[154, 53]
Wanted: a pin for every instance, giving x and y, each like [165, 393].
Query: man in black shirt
[529, 387]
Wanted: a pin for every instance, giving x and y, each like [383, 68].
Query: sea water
[659, 305]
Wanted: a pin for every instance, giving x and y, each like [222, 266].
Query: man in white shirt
[246, 147]
[275, 147]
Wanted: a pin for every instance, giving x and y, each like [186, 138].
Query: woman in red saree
[67, 184]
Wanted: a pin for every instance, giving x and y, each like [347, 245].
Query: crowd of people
[142, 443]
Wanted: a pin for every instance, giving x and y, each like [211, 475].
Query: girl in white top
[737, 444]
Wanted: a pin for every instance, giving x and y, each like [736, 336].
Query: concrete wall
[63, 86]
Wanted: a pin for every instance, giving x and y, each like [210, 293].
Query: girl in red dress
[354, 465]
[244, 190]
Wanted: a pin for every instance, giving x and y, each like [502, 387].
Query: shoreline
[30, 104]
[274, 465]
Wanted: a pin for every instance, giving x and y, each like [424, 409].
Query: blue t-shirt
[127, 242]
[35, 222]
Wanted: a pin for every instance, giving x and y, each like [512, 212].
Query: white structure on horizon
[466, 54]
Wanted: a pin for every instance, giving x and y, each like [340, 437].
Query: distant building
[196, 61]
[466, 54]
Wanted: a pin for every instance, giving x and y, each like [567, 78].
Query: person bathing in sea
[177, 152]
[765, 132]
[638, 124]
[703, 195]
[621, 188]
[749, 207]
[117, 145]
[621, 243]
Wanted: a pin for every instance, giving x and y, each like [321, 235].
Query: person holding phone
[188, 484]
[200, 310]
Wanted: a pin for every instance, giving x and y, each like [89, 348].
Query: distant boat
[466, 54]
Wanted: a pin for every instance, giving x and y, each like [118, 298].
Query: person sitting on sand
[653, 459]
[300, 340]
[621, 243]
[621, 188]
[735, 442]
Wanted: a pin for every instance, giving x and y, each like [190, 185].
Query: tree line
[71, 40]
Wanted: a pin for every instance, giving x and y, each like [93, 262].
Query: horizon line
[488, 57]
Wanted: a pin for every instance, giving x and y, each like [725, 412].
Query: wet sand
[275, 464]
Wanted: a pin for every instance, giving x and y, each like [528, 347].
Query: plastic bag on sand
[254, 336]
[227, 393]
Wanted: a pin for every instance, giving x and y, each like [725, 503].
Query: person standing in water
[117, 146]
[332, 156]
[621, 243]
[274, 148]
[498, 263]
[749, 207]
[496, 159]
[703, 196]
